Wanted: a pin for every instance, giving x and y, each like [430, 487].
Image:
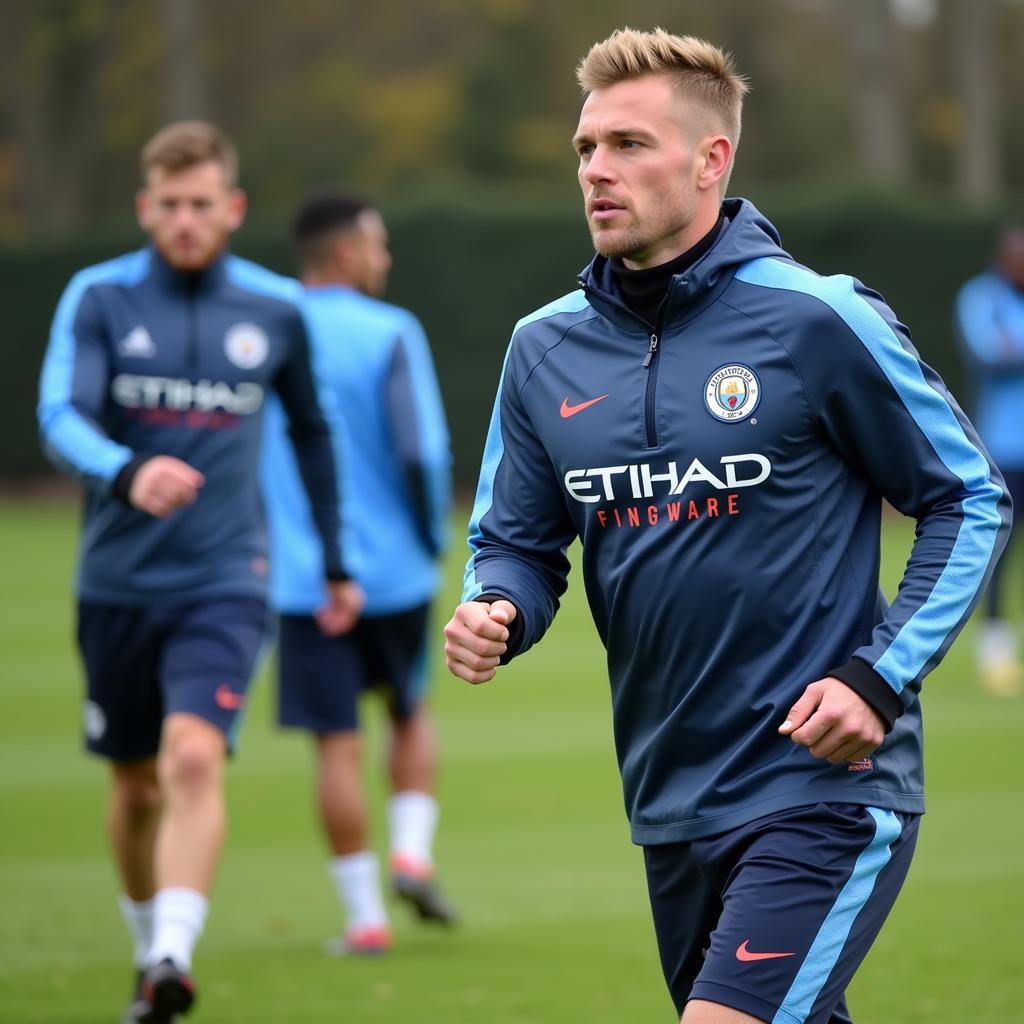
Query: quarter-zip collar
[644, 291]
[193, 282]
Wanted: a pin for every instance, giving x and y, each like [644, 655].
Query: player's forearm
[957, 546]
[315, 456]
[534, 590]
[80, 449]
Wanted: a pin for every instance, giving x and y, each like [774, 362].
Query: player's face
[190, 214]
[643, 169]
[371, 259]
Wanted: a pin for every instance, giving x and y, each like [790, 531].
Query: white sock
[357, 879]
[997, 642]
[413, 819]
[179, 916]
[139, 919]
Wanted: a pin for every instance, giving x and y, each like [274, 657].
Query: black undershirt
[645, 290]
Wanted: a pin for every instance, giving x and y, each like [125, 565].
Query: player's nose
[599, 167]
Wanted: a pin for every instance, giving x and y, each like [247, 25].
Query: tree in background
[409, 99]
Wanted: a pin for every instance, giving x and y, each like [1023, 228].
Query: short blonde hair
[185, 144]
[700, 71]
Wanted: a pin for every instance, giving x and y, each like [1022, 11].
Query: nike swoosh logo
[227, 699]
[568, 410]
[744, 954]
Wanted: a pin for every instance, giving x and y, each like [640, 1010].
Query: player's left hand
[345, 600]
[834, 723]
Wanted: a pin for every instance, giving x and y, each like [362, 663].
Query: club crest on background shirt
[246, 345]
[732, 392]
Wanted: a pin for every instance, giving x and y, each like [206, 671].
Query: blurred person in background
[374, 363]
[718, 425]
[990, 325]
[152, 394]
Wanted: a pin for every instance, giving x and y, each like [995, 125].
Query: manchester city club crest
[246, 345]
[732, 393]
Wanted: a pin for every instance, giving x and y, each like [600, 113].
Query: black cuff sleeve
[515, 628]
[338, 576]
[860, 677]
[123, 481]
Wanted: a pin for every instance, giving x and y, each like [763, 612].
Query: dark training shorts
[774, 917]
[142, 664]
[321, 677]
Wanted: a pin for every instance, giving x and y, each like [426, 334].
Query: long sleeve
[420, 435]
[314, 450]
[73, 389]
[520, 529]
[893, 420]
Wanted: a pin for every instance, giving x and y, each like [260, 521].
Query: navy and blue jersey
[144, 360]
[381, 396]
[725, 475]
[990, 323]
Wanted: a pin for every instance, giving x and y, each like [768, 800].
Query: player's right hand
[163, 484]
[475, 639]
[345, 601]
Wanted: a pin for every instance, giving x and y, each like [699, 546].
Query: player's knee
[192, 762]
[137, 792]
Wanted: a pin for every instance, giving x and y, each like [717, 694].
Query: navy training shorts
[773, 918]
[321, 677]
[142, 664]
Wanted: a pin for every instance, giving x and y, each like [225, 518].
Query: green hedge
[470, 273]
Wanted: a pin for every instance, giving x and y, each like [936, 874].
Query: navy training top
[725, 472]
[145, 360]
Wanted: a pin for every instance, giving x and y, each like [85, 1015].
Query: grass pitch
[533, 847]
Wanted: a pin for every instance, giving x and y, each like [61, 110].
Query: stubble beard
[635, 243]
[625, 246]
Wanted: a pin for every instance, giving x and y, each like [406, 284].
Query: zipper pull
[651, 351]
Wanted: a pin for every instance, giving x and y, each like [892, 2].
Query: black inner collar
[645, 290]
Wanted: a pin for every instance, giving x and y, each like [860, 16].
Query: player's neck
[327, 279]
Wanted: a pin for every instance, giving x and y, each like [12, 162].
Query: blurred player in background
[152, 394]
[374, 362]
[990, 323]
[718, 425]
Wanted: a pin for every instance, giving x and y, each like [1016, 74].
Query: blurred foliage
[407, 98]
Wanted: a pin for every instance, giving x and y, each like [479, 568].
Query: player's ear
[143, 208]
[344, 253]
[713, 155]
[238, 205]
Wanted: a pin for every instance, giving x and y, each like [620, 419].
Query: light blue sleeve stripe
[432, 427]
[83, 449]
[924, 633]
[76, 442]
[494, 446]
[828, 944]
[255, 278]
